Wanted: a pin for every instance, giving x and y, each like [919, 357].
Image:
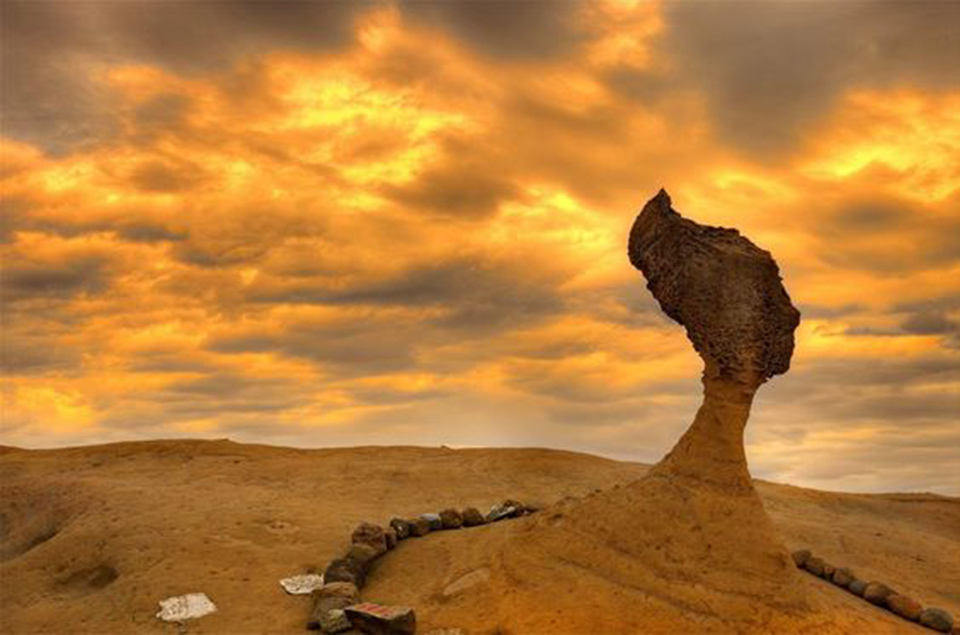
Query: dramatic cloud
[352, 223]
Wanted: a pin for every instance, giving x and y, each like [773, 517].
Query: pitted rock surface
[724, 289]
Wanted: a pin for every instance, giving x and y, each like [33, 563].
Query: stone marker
[877, 593]
[472, 517]
[904, 606]
[376, 619]
[418, 527]
[436, 523]
[451, 519]
[843, 577]
[857, 587]
[801, 556]
[370, 534]
[937, 619]
[402, 527]
[814, 565]
[391, 535]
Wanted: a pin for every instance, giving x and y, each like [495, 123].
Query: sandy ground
[91, 538]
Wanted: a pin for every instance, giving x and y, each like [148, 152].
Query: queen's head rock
[724, 289]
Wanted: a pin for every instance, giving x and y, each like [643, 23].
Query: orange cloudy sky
[323, 224]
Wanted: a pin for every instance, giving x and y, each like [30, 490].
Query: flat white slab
[185, 607]
[302, 584]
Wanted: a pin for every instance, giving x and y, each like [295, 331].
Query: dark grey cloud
[362, 346]
[769, 69]
[476, 293]
[19, 213]
[24, 280]
[50, 48]
[889, 235]
[509, 29]
[465, 192]
[25, 353]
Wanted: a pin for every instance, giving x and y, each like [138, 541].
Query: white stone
[302, 584]
[185, 607]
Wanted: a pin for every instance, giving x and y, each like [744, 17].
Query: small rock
[472, 517]
[320, 618]
[186, 607]
[377, 619]
[346, 590]
[436, 523]
[828, 570]
[302, 584]
[937, 619]
[370, 534]
[904, 606]
[857, 587]
[801, 556]
[814, 565]
[335, 621]
[418, 527]
[402, 527]
[507, 509]
[877, 593]
[451, 519]
[353, 567]
[843, 577]
[391, 535]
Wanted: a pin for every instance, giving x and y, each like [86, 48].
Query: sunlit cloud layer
[405, 223]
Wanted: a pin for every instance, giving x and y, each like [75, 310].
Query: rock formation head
[724, 289]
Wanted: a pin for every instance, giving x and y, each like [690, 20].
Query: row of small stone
[337, 607]
[875, 592]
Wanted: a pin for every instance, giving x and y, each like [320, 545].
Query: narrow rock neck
[711, 450]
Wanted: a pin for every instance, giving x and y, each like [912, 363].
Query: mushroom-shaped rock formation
[727, 292]
[688, 547]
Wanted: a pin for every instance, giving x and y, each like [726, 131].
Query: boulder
[904, 606]
[472, 517]
[418, 527]
[401, 527]
[372, 535]
[937, 619]
[376, 619]
[814, 565]
[391, 537]
[436, 523]
[857, 587]
[801, 556]
[451, 519]
[877, 593]
[843, 577]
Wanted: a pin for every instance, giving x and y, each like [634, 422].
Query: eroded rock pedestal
[689, 546]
